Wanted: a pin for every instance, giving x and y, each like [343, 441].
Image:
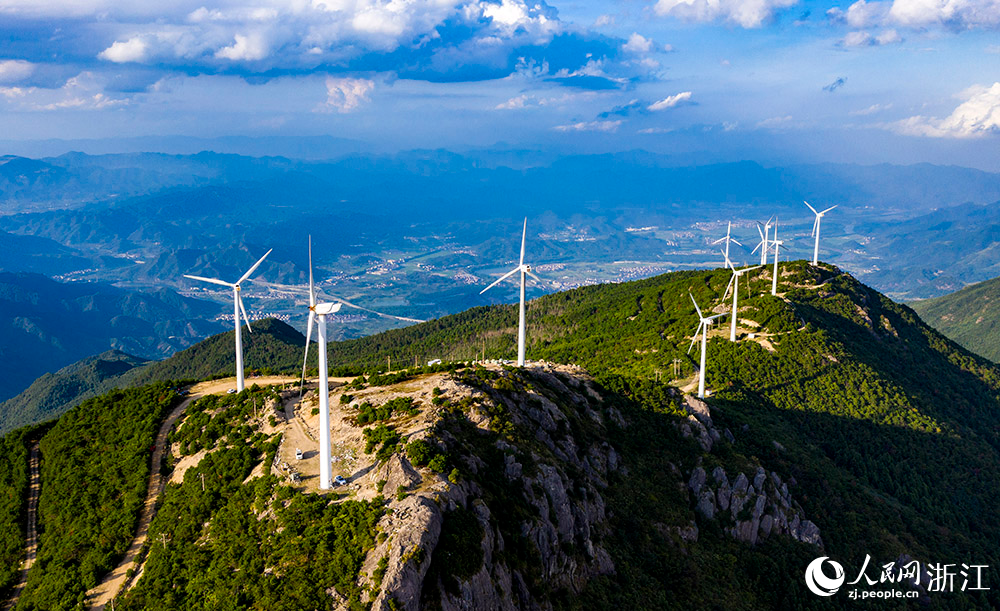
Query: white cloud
[864, 14]
[857, 39]
[888, 37]
[865, 39]
[84, 91]
[604, 20]
[745, 13]
[874, 108]
[774, 122]
[132, 50]
[656, 130]
[670, 101]
[518, 102]
[14, 70]
[590, 126]
[962, 13]
[346, 94]
[637, 43]
[250, 47]
[978, 116]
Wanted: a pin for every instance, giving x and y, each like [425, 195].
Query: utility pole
[163, 540]
[202, 481]
[388, 364]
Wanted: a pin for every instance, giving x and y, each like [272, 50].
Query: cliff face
[523, 518]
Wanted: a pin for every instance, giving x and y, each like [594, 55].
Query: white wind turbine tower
[703, 325]
[815, 232]
[525, 270]
[727, 240]
[319, 312]
[734, 283]
[237, 309]
[774, 276]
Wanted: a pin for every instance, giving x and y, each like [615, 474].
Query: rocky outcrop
[756, 508]
[554, 483]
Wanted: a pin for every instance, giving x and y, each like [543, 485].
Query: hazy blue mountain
[46, 325]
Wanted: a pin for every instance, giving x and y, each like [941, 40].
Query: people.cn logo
[818, 582]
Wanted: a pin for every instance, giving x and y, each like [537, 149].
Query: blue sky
[783, 80]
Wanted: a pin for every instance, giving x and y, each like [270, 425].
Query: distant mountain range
[46, 325]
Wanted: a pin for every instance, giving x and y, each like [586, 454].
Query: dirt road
[31, 537]
[101, 595]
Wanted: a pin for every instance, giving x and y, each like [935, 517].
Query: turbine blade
[815, 224]
[305, 358]
[695, 337]
[254, 268]
[721, 240]
[829, 209]
[696, 308]
[244, 311]
[759, 244]
[810, 207]
[760, 232]
[524, 234]
[212, 280]
[501, 279]
[730, 285]
[312, 287]
[537, 279]
[716, 316]
[735, 242]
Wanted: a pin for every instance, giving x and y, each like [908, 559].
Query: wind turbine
[734, 283]
[727, 240]
[525, 270]
[703, 325]
[774, 276]
[237, 309]
[815, 232]
[319, 312]
[762, 245]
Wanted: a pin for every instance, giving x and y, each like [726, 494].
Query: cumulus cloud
[123, 51]
[961, 14]
[978, 116]
[670, 101]
[85, 91]
[864, 14]
[480, 39]
[590, 126]
[346, 94]
[249, 47]
[745, 13]
[14, 70]
[956, 13]
[637, 43]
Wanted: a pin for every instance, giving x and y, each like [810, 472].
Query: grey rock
[766, 523]
[699, 409]
[728, 435]
[697, 480]
[758, 479]
[719, 475]
[706, 504]
[741, 484]
[723, 494]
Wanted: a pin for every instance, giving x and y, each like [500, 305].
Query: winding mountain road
[31, 537]
[102, 594]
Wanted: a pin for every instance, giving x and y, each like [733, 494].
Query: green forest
[13, 505]
[95, 467]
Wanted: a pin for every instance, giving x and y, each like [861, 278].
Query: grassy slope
[970, 317]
